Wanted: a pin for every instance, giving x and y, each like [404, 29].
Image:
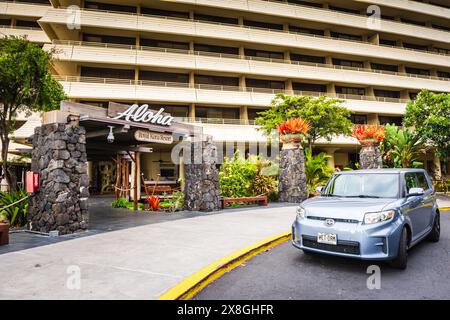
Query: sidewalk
[136, 263]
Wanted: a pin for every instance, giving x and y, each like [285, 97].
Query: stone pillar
[292, 178]
[59, 156]
[370, 155]
[202, 187]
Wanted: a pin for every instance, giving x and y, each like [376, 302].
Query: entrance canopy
[124, 128]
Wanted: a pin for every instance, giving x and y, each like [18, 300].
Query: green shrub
[16, 214]
[120, 203]
[317, 170]
[176, 203]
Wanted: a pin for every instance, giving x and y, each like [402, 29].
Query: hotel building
[217, 63]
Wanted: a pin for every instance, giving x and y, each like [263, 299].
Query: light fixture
[110, 137]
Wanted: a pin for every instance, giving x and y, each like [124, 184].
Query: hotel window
[306, 3]
[216, 49]
[109, 7]
[109, 39]
[263, 25]
[417, 23]
[307, 58]
[27, 23]
[413, 95]
[398, 121]
[351, 90]
[358, 118]
[217, 80]
[384, 67]
[442, 50]
[165, 13]
[5, 22]
[387, 42]
[163, 76]
[346, 36]
[311, 87]
[264, 54]
[164, 44]
[418, 71]
[443, 74]
[253, 113]
[387, 93]
[436, 26]
[208, 18]
[415, 46]
[266, 84]
[174, 110]
[348, 63]
[107, 73]
[302, 30]
[217, 113]
[346, 10]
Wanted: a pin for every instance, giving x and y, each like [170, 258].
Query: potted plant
[292, 132]
[4, 230]
[370, 137]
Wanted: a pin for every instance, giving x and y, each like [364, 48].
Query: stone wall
[292, 179]
[59, 156]
[202, 187]
[370, 157]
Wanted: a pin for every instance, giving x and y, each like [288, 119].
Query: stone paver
[139, 262]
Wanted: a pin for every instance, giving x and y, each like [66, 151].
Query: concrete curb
[444, 208]
[192, 285]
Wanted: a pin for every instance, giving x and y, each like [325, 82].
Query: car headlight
[375, 217]
[301, 213]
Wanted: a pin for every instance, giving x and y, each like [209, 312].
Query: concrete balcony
[82, 52]
[54, 23]
[412, 6]
[168, 92]
[21, 9]
[34, 35]
[294, 11]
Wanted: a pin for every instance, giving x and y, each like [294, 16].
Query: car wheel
[400, 262]
[436, 231]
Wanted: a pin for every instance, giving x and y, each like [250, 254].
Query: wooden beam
[135, 191]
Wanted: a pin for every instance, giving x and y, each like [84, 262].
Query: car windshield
[364, 185]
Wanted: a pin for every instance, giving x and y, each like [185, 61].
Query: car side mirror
[319, 189]
[413, 192]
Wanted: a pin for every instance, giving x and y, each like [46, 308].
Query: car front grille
[349, 247]
[335, 219]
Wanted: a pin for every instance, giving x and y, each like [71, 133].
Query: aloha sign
[142, 113]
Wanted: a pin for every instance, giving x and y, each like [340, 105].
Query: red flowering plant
[154, 203]
[294, 126]
[369, 132]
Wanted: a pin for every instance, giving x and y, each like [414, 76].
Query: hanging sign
[142, 113]
[150, 136]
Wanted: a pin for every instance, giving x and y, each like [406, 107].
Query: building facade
[217, 63]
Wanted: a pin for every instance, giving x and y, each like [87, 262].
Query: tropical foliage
[17, 213]
[26, 85]
[429, 114]
[368, 132]
[401, 148]
[294, 126]
[317, 170]
[154, 203]
[120, 203]
[240, 177]
[326, 116]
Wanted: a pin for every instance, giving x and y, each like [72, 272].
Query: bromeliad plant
[364, 132]
[154, 203]
[292, 132]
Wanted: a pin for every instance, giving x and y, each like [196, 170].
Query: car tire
[436, 231]
[401, 261]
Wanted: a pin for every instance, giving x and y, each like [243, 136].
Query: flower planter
[4, 234]
[291, 141]
[367, 143]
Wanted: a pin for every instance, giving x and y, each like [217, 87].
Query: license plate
[328, 238]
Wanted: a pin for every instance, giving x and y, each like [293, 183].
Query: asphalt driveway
[286, 273]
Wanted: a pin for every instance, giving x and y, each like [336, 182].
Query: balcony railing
[233, 56]
[221, 88]
[216, 121]
[255, 28]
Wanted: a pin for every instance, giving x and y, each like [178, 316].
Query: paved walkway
[138, 262]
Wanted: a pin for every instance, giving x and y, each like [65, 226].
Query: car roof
[387, 170]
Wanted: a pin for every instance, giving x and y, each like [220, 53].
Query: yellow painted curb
[192, 285]
[444, 208]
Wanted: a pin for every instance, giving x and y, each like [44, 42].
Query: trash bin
[4, 234]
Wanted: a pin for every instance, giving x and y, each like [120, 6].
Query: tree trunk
[5, 170]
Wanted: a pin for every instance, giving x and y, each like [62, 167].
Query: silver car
[369, 214]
